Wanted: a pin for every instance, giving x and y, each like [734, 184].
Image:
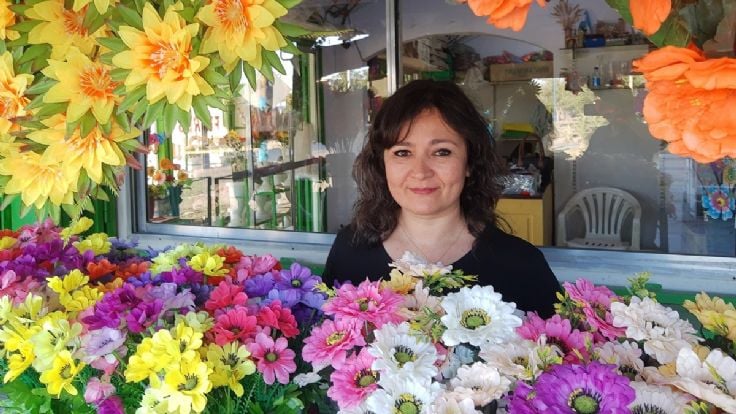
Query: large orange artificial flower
[648, 15]
[504, 14]
[12, 94]
[686, 101]
[62, 28]
[159, 58]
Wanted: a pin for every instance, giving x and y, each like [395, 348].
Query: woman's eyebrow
[432, 142]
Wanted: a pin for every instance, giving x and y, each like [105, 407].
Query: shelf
[621, 48]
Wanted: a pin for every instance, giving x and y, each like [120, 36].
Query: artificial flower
[521, 359]
[477, 315]
[354, 380]
[38, 179]
[238, 29]
[712, 379]
[111, 405]
[159, 58]
[97, 391]
[7, 19]
[275, 316]
[274, 360]
[61, 375]
[403, 395]
[230, 364]
[449, 404]
[100, 5]
[626, 356]
[224, 297]
[153, 402]
[56, 334]
[557, 331]
[209, 264]
[101, 343]
[416, 266]
[330, 342]
[298, 279]
[479, 382]
[12, 89]
[187, 385]
[504, 14]
[85, 84]
[367, 302]
[234, 325]
[91, 152]
[649, 15]
[657, 399]
[402, 283]
[62, 28]
[595, 302]
[402, 353]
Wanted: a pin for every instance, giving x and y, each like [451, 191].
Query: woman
[426, 184]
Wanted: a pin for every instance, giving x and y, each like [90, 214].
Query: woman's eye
[443, 152]
[401, 153]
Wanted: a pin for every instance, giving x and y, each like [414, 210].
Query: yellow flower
[7, 19]
[19, 361]
[400, 282]
[7, 242]
[100, 5]
[159, 58]
[12, 90]
[71, 282]
[60, 376]
[209, 264]
[99, 243]
[187, 385]
[91, 152]
[84, 84]
[31, 308]
[229, 364]
[704, 302]
[38, 179]
[80, 299]
[238, 27]
[77, 227]
[186, 340]
[198, 321]
[153, 402]
[55, 336]
[142, 364]
[63, 29]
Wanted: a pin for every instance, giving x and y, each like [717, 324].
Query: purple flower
[297, 278]
[260, 285]
[101, 342]
[144, 279]
[112, 405]
[122, 244]
[110, 309]
[594, 388]
[184, 275]
[313, 299]
[144, 315]
[201, 293]
[288, 298]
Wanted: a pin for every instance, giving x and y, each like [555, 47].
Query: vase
[236, 193]
[175, 199]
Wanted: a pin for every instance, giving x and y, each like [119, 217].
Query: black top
[514, 267]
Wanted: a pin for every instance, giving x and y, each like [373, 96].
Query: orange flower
[648, 15]
[166, 164]
[132, 269]
[713, 74]
[504, 14]
[100, 269]
[668, 63]
[231, 254]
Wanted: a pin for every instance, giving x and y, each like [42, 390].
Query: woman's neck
[431, 229]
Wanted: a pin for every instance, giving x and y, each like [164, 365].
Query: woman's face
[426, 169]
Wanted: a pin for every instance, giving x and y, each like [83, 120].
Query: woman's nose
[421, 167]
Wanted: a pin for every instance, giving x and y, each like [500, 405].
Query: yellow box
[521, 71]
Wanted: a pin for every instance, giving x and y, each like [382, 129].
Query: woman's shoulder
[350, 259]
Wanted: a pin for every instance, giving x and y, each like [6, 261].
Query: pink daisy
[274, 360]
[235, 324]
[250, 266]
[275, 316]
[354, 381]
[595, 302]
[368, 302]
[226, 295]
[330, 343]
[558, 332]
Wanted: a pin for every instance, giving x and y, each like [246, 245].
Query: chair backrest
[604, 211]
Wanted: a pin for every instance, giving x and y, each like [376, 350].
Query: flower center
[190, 382]
[475, 318]
[169, 57]
[271, 357]
[96, 82]
[628, 371]
[520, 360]
[364, 303]
[335, 338]
[230, 360]
[74, 22]
[66, 372]
[582, 402]
[182, 345]
[366, 378]
[647, 409]
[296, 283]
[232, 15]
[404, 354]
[407, 404]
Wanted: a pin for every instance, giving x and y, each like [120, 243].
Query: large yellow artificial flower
[7, 19]
[71, 282]
[19, 361]
[159, 58]
[186, 386]
[38, 179]
[238, 27]
[56, 335]
[100, 5]
[61, 375]
[61, 28]
[99, 243]
[209, 264]
[77, 152]
[12, 90]
[230, 364]
[84, 84]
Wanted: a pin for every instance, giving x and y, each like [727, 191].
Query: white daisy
[712, 380]
[657, 399]
[660, 327]
[403, 395]
[307, 378]
[521, 359]
[477, 315]
[447, 404]
[359, 409]
[415, 265]
[479, 382]
[400, 352]
[626, 356]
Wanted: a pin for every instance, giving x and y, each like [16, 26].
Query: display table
[528, 217]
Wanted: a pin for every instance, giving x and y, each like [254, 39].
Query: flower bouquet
[406, 346]
[93, 324]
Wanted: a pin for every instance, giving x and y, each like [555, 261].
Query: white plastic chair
[604, 211]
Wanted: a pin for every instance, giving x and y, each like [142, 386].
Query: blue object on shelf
[594, 40]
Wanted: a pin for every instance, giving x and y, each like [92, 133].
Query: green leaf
[138, 111]
[130, 16]
[250, 74]
[290, 29]
[169, 118]
[25, 26]
[184, 118]
[274, 60]
[106, 128]
[48, 110]
[289, 3]
[35, 103]
[71, 126]
[291, 48]
[87, 123]
[113, 43]
[702, 19]
[213, 77]
[21, 41]
[118, 74]
[154, 112]
[201, 111]
[7, 200]
[41, 87]
[214, 102]
[25, 210]
[131, 98]
[72, 210]
[236, 75]
[33, 52]
[673, 33]
[3, 48]
[123, 121]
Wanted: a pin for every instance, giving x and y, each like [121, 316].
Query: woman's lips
[423, 191]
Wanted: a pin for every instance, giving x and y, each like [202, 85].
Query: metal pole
[393, 45]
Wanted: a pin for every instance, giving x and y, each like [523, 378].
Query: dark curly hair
[375, 211]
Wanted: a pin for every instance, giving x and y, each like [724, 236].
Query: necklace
[419, 249]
